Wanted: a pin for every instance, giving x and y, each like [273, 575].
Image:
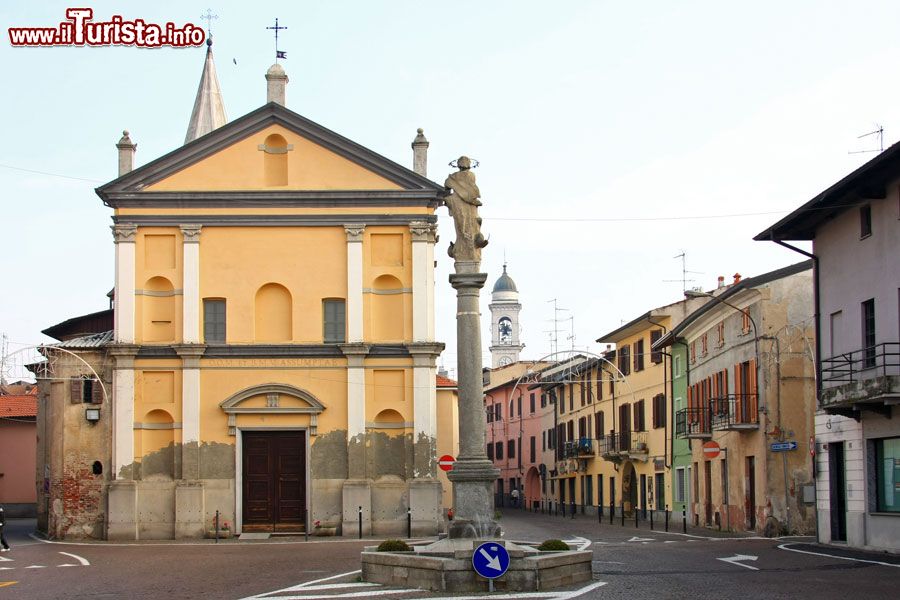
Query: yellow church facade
[274, 351]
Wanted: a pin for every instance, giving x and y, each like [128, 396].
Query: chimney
[276, 82]
[721, 282]
[420, 153]
[737, 278]
[126, 154]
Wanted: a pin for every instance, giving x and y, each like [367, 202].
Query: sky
[612, 137]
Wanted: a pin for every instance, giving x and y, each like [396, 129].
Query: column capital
[123, 354]
[124, 233]
[462, 281]
[423, 231]
[355, 350]
[190, 354]
[425, 353]
[354, 231]
[191, 233]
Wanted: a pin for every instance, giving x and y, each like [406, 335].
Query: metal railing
[693, 422]
[734, 411]
[624, 441]
[579, 447]
[878, 360]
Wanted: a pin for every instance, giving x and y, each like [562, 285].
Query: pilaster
[123, 410]
[354, 282]
[124, 236]
[190, 409]
[191, 284]
[356, 408]
[423, 238]
[424, 408]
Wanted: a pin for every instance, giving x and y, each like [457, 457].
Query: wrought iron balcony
[580, 448]
[879, 360]
[693, 423]
[734, 412]
[626, 444]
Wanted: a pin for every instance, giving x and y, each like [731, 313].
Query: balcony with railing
[865, 378]
[693, 423]
[580, 448]
[617, 446]
[734, 412]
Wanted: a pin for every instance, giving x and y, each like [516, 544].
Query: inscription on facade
[271, 363]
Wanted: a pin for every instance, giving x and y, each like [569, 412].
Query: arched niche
[273, 315]
[157, 445]
[158, 310]
[275, 160]
[387, 309]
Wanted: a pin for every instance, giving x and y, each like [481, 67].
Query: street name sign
[784, 446]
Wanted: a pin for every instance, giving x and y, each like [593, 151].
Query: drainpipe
[687, 382]
[665, 377]
[777, 344]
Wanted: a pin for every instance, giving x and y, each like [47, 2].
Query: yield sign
[711, 449]
[446, 462]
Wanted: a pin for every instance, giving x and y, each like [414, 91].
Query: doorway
[837, 492]
[629, 488]
[707, 492]
[274, 480]
[750, 495]
[644, 496]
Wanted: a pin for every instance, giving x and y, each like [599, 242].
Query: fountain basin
[446, 566]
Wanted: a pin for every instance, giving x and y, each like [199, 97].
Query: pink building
[18, 448]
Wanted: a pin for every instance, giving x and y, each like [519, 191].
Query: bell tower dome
[505, 330]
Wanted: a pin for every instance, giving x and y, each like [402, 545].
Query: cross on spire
[209, 17]
[277, 28]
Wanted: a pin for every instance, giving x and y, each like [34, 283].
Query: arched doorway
[629, 487]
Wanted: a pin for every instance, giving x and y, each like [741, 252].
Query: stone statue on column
[463, 203]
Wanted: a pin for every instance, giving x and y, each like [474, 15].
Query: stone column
[122, 522]
[124, 236]
[423, 237]
[354, 282]
[473, 475]
[191, 284]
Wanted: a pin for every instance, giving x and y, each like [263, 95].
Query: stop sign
[446, 462]
[711, 449]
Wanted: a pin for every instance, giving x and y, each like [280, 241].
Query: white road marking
[36, 567]
[294, 588]
[640, 539]
[738, 557]
[874, 562]
[366, 594]
[7, 568]
[4, 559]
[583, 543]
[84, 562]
[330, 586]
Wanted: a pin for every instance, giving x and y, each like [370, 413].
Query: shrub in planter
[553, 546]
[394, 546]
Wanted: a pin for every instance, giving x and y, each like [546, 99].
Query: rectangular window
[887, 474]
[498, 450]
[489, 411]
[676, 366]
[868, 331]
[543, 400]
[720, 334]
[656, 356]
[335, 327]
[543, 441]
[599, 384]
[532, 450]
[612, 386]
[582, 428]
[519, 406]
[490, 451]
[746, 324]
[693, 351]
[865, 221]
[498, 412]
[625, 359]
[659, 411]
[531, 403]
[599, 425]
[704, 345]
[511, 449]
[639, 355]
[680, 484]
[562, 399]
[214, 320]
[571, 396]
[639, 424]
[87, 390]
[582, 389]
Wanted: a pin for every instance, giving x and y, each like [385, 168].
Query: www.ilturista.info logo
[79, 30]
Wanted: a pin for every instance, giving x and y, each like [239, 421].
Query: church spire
[209, 110]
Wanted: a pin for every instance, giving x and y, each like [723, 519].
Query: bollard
[563, 507]
[306, 525]
[217, 527]
[651, 520]
[573, 509]
[599, 513]
[612, 511]
[409, 523]
[636, 513]
[684, 520]
[360, 522]
[623, 514]
[667, 517]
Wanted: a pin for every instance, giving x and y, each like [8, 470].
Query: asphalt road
[629, 562]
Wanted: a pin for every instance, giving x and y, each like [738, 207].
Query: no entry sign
[711, 449]
[446, 462]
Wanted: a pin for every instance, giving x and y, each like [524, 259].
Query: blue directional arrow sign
[784, 446]
[491, 560]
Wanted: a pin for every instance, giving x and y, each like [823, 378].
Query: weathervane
[210, 17]
[278, 53]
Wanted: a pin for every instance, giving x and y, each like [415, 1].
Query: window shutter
[75, 391]
[738, 393]
[96, 392]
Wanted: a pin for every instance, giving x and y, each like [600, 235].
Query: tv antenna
[554, 338]
[684, 273]
[879, 132]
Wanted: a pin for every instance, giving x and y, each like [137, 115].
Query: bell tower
[505, 330]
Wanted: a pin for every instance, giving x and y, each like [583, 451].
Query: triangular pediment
[233, 158]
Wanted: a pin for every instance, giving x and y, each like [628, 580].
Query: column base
[356, 493]
[122, 505]
[190, 508]
[473, 499]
